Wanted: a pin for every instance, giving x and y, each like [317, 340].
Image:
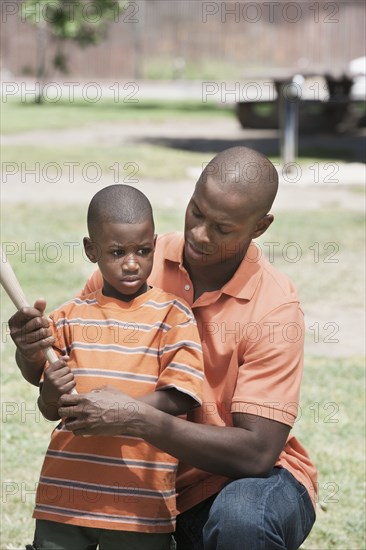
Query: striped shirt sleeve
[181, 354]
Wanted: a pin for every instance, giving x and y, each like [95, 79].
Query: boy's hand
[58, 379]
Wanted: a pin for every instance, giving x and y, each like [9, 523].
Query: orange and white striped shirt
[123, 483]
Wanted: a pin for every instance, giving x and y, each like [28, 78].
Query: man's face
[125, 254]
[218, 225]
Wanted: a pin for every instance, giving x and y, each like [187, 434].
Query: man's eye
[222, 231]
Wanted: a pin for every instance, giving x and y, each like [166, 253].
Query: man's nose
[200, 233]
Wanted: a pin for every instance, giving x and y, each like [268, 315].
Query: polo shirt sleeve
[181, 360]
[270, 366]
[60, 345]
[95, 282]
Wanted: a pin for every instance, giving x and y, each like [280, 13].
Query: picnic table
[290, 105]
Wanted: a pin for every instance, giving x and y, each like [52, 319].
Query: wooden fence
[194, 39]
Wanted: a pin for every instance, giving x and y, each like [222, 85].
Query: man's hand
[105, 411]
[30, 331]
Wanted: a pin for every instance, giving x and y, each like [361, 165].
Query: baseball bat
[15, 292]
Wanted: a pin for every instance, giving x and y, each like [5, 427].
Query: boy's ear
[90, 250]
[155, 237]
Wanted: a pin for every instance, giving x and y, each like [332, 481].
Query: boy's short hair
[118, 204]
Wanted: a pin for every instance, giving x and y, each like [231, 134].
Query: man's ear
[262, 225]
[90, 249]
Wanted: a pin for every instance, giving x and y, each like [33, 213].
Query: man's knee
[244, 498]
[236, 516]
[257, 513]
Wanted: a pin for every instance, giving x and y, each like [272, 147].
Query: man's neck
[210, 278]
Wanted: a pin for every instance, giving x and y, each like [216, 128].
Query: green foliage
[80, 21]
[83, 21]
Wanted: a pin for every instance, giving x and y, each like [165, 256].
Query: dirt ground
[336, 186]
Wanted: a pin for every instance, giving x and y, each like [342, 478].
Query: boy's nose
[130, 264]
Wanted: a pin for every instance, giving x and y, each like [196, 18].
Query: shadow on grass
[348, 148]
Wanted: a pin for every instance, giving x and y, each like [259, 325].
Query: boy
[118, 491]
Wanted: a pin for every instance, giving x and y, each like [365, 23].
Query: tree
[82, 21]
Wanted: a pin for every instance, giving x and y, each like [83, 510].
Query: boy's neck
[112, 293]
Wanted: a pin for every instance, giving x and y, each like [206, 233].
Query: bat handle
[50, 355]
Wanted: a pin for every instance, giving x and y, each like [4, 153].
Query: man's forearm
[251, 448]
[229, 451]
[170, 401]
[30, 369]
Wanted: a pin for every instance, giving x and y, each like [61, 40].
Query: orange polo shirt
[252, 333]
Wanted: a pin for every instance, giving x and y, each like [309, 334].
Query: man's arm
[251, 448]
[170, 401]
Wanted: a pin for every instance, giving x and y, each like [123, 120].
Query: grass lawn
[133, 162]
[23, 116]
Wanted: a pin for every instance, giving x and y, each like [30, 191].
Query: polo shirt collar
[174, 249]
[246, 278]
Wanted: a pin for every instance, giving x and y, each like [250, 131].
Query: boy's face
[124, 253]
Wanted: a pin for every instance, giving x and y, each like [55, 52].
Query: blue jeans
[269, 513]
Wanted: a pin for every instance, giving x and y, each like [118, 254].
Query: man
[244, 481]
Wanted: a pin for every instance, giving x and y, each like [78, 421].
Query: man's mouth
[195, 251]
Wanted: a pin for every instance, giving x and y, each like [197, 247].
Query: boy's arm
[170, 401]
[180, 382]
[58, 379]
[179, 387]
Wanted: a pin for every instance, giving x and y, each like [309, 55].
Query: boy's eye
[118, 253]
[144, 251]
